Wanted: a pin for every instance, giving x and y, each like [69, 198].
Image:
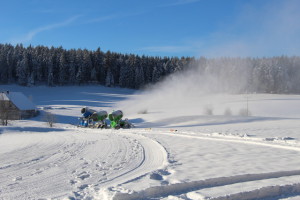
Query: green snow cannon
[115, 118]
[99, 118]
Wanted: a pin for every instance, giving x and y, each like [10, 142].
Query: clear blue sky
[157, 28]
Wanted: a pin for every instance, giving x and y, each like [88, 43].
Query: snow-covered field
[198, 147]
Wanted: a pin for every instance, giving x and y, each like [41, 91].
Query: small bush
[208, 110]
[143, 111]
[244, 112]
[227, 112]
[49, 118]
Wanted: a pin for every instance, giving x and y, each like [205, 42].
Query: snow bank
[180, 188]
[265, 192]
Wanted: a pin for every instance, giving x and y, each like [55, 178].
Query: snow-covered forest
[42, 65]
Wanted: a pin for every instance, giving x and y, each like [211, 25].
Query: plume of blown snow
[199, 86]
[181, 92]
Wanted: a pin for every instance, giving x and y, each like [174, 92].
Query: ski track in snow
[67, 162]
[267, 142]
[264, 193]
[181, 188]
[267, 192]
[72, 163]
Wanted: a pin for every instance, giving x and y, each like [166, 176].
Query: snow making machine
[85, 120]
[99, 119]
[116, 121]
[93, 119]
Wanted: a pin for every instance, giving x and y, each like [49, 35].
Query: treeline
[255, 75]
[57, 66]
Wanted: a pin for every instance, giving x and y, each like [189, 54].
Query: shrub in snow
[244, 112]
[49, 118]
[143, 111]
[208, 110]
[227, 112]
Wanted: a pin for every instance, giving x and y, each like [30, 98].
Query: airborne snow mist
[278, 35]
[197, 86]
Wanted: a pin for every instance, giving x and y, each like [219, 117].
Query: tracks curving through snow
[247, 140]
[73, 163]
[269, 191]
[179, 188]
[79, 163]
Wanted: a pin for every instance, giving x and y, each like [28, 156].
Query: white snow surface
[200, 148]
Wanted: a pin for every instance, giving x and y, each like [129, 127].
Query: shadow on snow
[29, 129]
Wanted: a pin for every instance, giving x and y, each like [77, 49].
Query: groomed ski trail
[271, 191]
[181, 188]
[79, 161]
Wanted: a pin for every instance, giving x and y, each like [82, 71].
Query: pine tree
[63, 67]
[157, 72]
[11, 66]
[139, 74]
[22, 70]
[72, 67]
[99, 66]
[128, 74]
[123, 76]
[109, 81]
[50, 78]
[3, 65]
[80, 74]
[87, 66]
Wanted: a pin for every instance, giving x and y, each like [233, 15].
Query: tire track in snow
[154, 157]
[127, 172]
[34, 167]
[151, 156]
[180, 188]
[264, 192]
[116, 155]
[236, 140]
